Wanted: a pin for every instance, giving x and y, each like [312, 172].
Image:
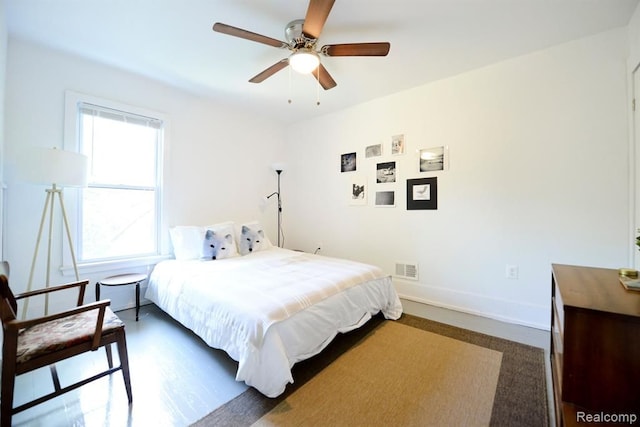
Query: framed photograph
[373, 151]
[385, 199]
[433, 159]
[422, 193]
[386, 172]
[348, 162]
[358, 191]
[397, 144]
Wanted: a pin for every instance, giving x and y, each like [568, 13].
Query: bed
[271, 308]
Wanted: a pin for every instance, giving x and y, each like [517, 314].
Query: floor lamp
[59, 169]
[278, 167]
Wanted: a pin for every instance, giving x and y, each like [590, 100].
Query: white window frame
[72, 195]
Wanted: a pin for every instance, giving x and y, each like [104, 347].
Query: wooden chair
[34, 343]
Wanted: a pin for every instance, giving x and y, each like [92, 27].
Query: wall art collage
[421, 191]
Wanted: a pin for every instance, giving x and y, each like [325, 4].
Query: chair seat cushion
[59, 334]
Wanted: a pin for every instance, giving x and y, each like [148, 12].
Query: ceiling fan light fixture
[304, 61]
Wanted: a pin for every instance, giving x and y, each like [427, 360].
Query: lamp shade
[54, 166]
[278, 166]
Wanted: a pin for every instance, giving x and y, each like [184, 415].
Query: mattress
[272, 308]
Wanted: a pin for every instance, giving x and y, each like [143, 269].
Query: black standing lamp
[278, 167]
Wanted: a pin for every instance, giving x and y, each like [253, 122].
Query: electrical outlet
[511, 271]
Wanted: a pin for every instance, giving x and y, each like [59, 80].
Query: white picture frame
[397, 145]
[373, 151]
[358, 190]
[386, 172]
[385, 199]
[434, 159]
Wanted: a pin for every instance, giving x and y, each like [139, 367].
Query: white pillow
[251, 238]
[219, 241]
[188, 240]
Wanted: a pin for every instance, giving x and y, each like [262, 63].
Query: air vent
[407, 271]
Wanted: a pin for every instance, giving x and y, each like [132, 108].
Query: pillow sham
[219, 242]
[251, 238]
[188, 241]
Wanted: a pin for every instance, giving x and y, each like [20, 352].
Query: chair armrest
[82, 285]
[98, 305]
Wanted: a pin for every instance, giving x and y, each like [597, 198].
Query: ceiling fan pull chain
[318, 86]
[289, 85]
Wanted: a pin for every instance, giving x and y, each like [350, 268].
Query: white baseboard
[518, 313]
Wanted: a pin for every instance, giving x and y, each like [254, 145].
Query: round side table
[122, 280]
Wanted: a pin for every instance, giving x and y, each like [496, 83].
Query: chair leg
[54, 377]
[107, 348]
[124, 362]
[6, 394]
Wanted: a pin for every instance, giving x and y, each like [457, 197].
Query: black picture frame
[422, 193]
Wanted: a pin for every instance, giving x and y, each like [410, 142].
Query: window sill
[107, 266]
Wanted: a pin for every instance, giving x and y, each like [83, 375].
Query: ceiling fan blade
[324, 78]
[244, 34]
[317, 14]
[258, 78]
[357, 49]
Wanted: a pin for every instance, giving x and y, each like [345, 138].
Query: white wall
[538, 170]
[3, 74]
[538, 175]
[219, 159]
[633, 90]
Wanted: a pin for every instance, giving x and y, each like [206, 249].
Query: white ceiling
[172, 40]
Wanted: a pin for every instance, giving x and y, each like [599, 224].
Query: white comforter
[271, 308]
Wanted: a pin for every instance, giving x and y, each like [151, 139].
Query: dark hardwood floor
[176, 380]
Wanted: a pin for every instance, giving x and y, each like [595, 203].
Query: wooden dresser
[595, 343]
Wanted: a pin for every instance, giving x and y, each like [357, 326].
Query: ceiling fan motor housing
[293, 35]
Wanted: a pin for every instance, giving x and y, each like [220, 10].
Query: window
[118, 215]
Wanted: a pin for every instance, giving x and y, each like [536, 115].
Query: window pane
[120, 152]
[117, 223]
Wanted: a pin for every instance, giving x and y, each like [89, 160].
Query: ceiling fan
[301, 38]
